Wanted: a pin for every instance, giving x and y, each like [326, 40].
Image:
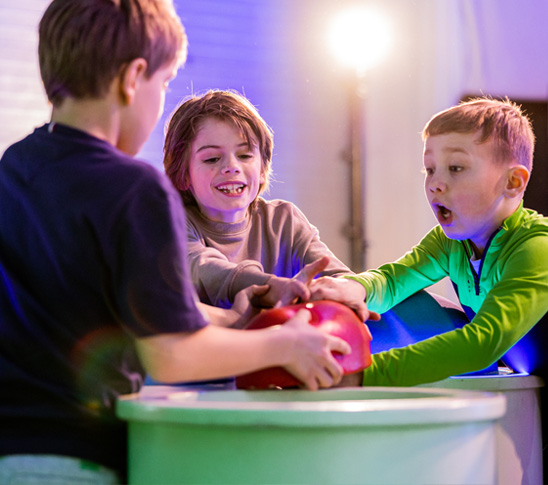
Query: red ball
[329, 316]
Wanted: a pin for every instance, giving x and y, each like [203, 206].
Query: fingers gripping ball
[330, 317]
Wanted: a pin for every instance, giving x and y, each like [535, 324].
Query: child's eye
[455, 168]
[427, 171]
[246, 156]
[211, 160]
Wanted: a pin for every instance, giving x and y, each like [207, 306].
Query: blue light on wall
[229, 48]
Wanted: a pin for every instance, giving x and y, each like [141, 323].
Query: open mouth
[443, 213]
[231, 189]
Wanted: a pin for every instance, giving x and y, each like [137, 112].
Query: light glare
[359, 37]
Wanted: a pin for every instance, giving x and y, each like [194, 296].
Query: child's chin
[451, 233]
[455, 237]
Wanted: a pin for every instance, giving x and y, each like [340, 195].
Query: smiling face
[467, 189]
[225, 173]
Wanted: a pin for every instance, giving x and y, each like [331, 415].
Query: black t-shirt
[92, 255]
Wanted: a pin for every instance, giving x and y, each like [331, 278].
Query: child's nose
[436, 184]
[231, 165]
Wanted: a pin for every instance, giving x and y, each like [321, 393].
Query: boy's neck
[513, 206]
[93, 116]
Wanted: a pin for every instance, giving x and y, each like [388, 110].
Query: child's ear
[129, 79]
[518, 177]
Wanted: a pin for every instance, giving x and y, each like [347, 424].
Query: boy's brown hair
[501, 119]
[185, 122]
[84, 44]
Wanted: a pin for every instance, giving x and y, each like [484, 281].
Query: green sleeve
[426, 264]
[512, 307]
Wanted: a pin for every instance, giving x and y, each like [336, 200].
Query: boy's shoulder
[275, 206]
[533, 218]
[526, 221]
[525, 233]
[280, 213]
[60, 151]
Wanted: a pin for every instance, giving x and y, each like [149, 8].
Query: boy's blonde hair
[85, 44]
[185, 122]
[501, 119]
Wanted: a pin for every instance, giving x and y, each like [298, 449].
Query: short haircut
[186, 121]
[84, 44]
[503, 120]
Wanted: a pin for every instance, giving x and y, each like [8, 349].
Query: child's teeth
[227, 189]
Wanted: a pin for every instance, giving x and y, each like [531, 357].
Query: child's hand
[343, 290]
[283, 291]
[286, 291]
[309, 359]
[246, 304]
[309, 272]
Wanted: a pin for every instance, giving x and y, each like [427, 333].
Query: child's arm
[307, 247]
[277, 243]
[248, 301]
[391, 283]
[305, 255]
[215, 352]
[216, 278]
[516, 301]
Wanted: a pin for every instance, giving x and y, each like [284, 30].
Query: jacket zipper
[475, 275]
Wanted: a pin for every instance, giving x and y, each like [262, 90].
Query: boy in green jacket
[477, 163]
